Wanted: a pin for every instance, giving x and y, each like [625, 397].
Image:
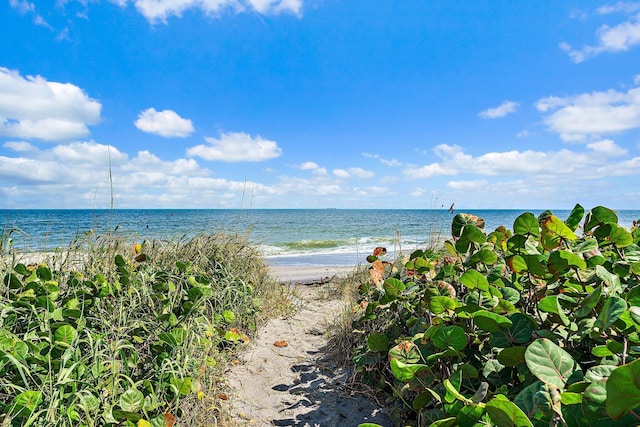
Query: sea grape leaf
[393, 287]
[519, 332]
[182, 386]
[512, 356]
[575, 217]
[610, 279]
[561, 261]
[406, 371]
[516, 243]
[612, 309]
[490, 322]
[517, 264]
[593, 400]
[473, 234]
[620, 237]
[27, 401]
[473, 279]
[510, 294]
[590, 302]
[526, 224]
[506, 413]
[534, 265]
[470, 415]
[65, 335]
[440, 304]
[405, 351]
[600, 372]
[599, 215]
[555, 225]
[623, 390]
[549, 363]
[551, 304]
[378, 342]
[450, 336]
[131, 400]
[461, 220]
[485, 256]
[526, 398]
[548, 399]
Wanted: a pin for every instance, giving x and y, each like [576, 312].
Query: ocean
[292, 237]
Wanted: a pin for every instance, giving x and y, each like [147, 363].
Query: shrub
[533, 326]
[121, 335]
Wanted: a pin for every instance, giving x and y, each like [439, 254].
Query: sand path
[300, 384]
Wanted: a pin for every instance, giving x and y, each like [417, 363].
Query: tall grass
[111, 332]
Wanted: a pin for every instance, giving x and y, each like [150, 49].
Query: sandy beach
[303, 274]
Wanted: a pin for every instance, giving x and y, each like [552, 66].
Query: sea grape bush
[533, 326]
[124, 346]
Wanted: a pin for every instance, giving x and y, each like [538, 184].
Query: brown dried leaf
[281, 344]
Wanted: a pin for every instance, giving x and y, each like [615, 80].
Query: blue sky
[319, 103]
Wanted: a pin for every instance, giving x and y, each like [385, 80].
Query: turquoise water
[284, 236]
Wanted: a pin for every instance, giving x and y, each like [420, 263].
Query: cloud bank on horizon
[197, 103]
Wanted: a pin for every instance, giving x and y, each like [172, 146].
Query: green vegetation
[107, 333]
[534, 326]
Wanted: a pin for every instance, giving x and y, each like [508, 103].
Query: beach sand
[305, 274]
[300, 383]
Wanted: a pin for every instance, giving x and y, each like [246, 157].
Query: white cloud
[160, 10]
[33, 107]
[313, 167]
[553, 164]
[236, 147]
[618, 38]
[621, 6]
[507, 107]
[386, 162]
[428, 171]
[607, 148]
[468, 185]
[523, 134]
[22, 6]
[597, 113]
[308, 166]
[361, 173]
[165, 123]
[341, 173]
[18, 146]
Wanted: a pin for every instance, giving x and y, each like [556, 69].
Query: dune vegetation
[536, 325]
[109, 333]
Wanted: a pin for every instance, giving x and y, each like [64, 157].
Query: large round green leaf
[561, 261]
[555, 226]
[623, 390]
[132, 400]
[485, 256]
[406, 371]
[490, 322]
[506, 413]
[450, 336]
[549, 363]
[462, 219]
[378, 342]
[473, 279]
[599, 215]
[65, 335]
[512, 356]
[612, 309]
[27, 401]
[526, 224]
[593, 400]
[473, 234]
[620, 237]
